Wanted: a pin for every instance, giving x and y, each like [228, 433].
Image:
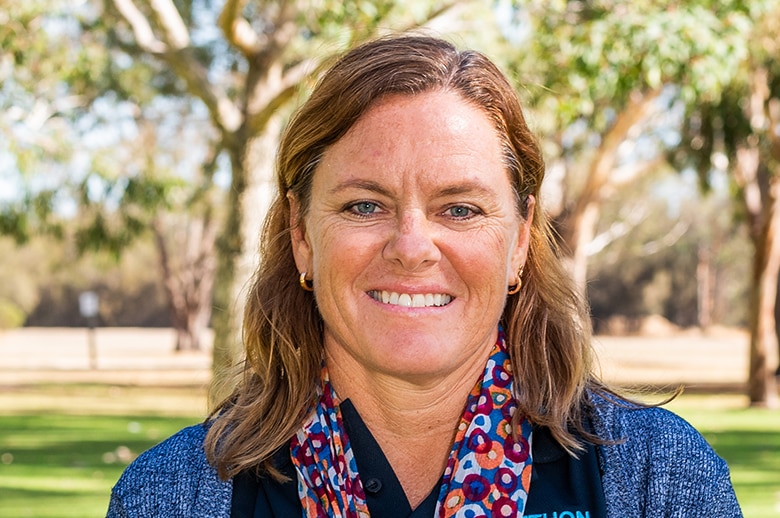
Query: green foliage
[138, 200]
[587, 57]
[70, 102]
[11, 315]
[31, 215]
[714, 130]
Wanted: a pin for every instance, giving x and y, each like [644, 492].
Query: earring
[516, 288]
[306, 284]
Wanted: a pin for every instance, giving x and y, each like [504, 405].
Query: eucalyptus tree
[603, 78]
[739, 132]
[601, 73]
[90, 151]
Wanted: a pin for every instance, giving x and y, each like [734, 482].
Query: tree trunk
[188, 282]
[704, 291]
[190, 336]
[761, 194]
[777, 328]
[585, 229]
[762, 385]
[250, 196]
[579, 226]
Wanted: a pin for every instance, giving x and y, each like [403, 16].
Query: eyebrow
[453, 190]
[467, 188]
[366, 185]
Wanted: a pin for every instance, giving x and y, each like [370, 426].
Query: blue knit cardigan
[660, 467]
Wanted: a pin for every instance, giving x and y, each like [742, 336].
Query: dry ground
[716, 360]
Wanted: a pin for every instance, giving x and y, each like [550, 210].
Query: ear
[301, 248]
[520, 253]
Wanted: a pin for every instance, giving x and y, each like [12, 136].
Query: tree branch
[280, 91]
[142, 30]
[177, 35]
[436, 13]
[177, 54]
[598, 175]
[237, 29]
[773, 111]
[224, 112]
[283, 91]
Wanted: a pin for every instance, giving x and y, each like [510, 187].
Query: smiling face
[412, 237]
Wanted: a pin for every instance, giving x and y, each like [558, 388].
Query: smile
[408, 300]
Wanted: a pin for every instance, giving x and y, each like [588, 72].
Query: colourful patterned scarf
[488, 472]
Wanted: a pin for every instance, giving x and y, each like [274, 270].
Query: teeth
[408, 300]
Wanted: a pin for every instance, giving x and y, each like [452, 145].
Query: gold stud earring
[306, 284]
[516, 288]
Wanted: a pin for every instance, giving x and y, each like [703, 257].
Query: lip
[411, 299]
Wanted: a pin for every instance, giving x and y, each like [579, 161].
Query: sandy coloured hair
[546, 323]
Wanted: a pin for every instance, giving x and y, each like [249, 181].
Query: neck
[413, 421]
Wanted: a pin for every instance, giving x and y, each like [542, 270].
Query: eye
[461, 212]
[363, 208]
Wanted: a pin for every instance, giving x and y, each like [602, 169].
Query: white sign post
[89, 306]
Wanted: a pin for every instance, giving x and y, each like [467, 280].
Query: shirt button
[373, 485]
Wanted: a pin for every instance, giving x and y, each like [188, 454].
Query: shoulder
[173, 478]
[652, 433]
[618, 420]
[182, 451]
[655, 459]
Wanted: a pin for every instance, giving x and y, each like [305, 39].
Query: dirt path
[133, 356]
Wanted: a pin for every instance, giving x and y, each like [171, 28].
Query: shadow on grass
[747, 449]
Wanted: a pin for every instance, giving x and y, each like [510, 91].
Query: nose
[413, 244]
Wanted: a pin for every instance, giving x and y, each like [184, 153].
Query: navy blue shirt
[561, 486]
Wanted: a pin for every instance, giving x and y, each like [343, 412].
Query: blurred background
[137, 142]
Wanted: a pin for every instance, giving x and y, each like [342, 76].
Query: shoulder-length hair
[546, 324]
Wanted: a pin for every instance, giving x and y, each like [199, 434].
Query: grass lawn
[62, 448]
[65, 465]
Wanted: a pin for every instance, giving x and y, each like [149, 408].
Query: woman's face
[412, 237]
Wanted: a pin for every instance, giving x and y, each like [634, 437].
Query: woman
[414, 347]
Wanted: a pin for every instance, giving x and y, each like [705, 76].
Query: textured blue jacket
[661, 467]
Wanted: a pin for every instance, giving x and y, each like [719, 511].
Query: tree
[89, 135]
[604, 76]
[738, 132]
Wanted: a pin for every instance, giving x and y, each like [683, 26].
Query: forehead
[430, 132]
[437, 113]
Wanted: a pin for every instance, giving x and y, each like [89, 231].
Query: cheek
[484, 257]
[339, 252]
